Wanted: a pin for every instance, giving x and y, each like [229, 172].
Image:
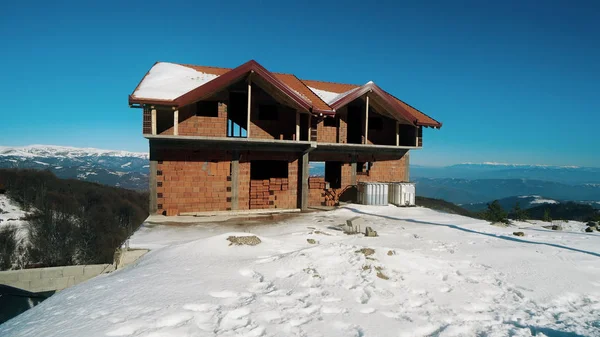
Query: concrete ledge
[52, 278]
[193, 218]
[129, 256]
[241, 213]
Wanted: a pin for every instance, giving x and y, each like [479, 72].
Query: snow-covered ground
[566, 226]
[11, 214]
[439, 275]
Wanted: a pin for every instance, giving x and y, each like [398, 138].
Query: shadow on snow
[503, 237]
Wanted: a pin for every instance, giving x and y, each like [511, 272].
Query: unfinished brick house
[243, 138]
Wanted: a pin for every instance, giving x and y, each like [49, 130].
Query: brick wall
[327, 134]
[282, 128]
[332, 134]
[343, 129]
[386, 169]
[192, 125]
[192, 181]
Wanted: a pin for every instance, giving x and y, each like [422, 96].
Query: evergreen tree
[519, 214]
[495, 213]
[547, 217]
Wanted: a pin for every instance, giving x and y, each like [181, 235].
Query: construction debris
[244, 240]
[370, 232]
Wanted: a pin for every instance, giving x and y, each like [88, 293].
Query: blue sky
[512, 81]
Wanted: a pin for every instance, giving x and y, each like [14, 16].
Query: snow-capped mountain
[525, 201]
[109, 167]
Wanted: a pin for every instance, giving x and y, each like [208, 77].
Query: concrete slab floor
[225, 217]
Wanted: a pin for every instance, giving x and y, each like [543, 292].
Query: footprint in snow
[251, 273]
[223, 294]
[284, 273]
[200, 307]
[127, 329]
[331, 299]
[367, 310]
[333, 310]
[261, 288]
[174, 319]
[270, 316]
[299, 321]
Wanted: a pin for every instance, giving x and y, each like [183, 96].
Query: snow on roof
[330, 97]
[167, 81]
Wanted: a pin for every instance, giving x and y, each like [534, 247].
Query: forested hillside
[68, 221]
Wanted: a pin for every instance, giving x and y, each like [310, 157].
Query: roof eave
[372, 87]
[235, 74]
[432, 125]
[324, 112]
[151, 101]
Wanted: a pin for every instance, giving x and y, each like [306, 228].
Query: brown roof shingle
[297, 85]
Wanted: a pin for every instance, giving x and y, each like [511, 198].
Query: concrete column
[176, 122]
[297, 125]
[309, 126]
[367, 121]
[153, 112]
[353, 171]
[249, 108]
[152, 185]
[406, 167]
[235, 171]
[397, 133]
[304, 192]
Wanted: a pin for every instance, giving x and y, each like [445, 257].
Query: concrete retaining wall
[52, 278]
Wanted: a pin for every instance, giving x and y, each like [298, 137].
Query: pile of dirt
[244, 240]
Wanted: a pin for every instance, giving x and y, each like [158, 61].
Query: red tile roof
[297, 85]
[298, 90]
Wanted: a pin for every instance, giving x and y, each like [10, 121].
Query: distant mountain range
[473, 183]
[464, 191]
[472, 171]
[461, 184]
[525, 201]
[115, 168]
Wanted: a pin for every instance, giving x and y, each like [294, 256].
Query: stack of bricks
[316, 191]
[315, 183]
[259, 194]
[279, 184]
[264, 193]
